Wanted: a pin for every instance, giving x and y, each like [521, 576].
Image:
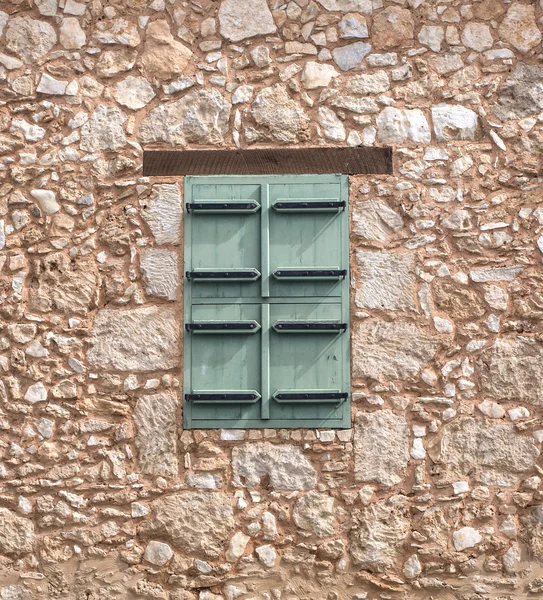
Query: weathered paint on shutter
[266, 302]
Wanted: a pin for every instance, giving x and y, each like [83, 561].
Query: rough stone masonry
[436, 491]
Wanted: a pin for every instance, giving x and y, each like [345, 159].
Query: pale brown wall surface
[436, 491]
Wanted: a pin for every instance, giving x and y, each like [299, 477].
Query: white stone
[491, 409]
[117, 31]
[412, 567]
[496, 297]
[477, 36]
[266, 555]
[314, 512]
[363, 6]
[285, 465]
[518, 413]
[369, 83]
[488, 452]
[74, 8]
[29, 38]
[278, 116]
[316, 75]
[31, 133]
[485, 275]
[509, 527]
[243, 93]
[46, 200]
[10, 62]
[241, 20]
[22, 332]
[133, 92]
[204, 481]
[52, 86]
[158, 553]
[431, 36]
[163, 212]
[160, 271]
[381, 447]
[498, 140]
[512, 559]
[392, 350]
[155, 417]
[138, 510]
[232, 435]
[395, 126]
[443, 325]
[417, 451]
[375, 220]
[387, 280]
[467, 537]
[332, 126]
[351, 56]
[104, 130]
[201, 117]
[519, 27]
[72, 36]
[260, 56]
[237, 546]
[138, 339]
[47, 8]
[454, 122]
[353, 26]
[25, 506]
[36, 350]
[460, 487]
[36, 393]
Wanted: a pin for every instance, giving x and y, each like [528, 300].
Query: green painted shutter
[266, 302]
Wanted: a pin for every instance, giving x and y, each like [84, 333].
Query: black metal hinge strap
[247, 275]
[315, 205]
[222, 206]
[309, 273]
[224, 326]
[220, 397]
[309, 326]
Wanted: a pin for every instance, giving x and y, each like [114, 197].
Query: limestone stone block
[381, 447]
[374, 220]
[387, 280]
[139, 339]
[490, 453]
[241, 20]
[17, 536]
[454, 122]
[278, 116]
[199, 117]
[160, 271]
[195, 522]
[314, 512]
[29, 38]
[164, 57]
[104, 129]
[163, 213]
[285, 465]
[512, 369]
[156, 439]
[521, 94]
[380, 534]
[392, 350]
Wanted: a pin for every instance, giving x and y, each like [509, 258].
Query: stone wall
[436, 491]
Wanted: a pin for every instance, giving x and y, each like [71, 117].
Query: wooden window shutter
[266, 302]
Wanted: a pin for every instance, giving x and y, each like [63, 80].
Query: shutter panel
[266, 302]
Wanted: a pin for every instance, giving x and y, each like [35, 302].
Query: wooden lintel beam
[268, 161]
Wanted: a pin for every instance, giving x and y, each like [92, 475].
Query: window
[266, 302]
